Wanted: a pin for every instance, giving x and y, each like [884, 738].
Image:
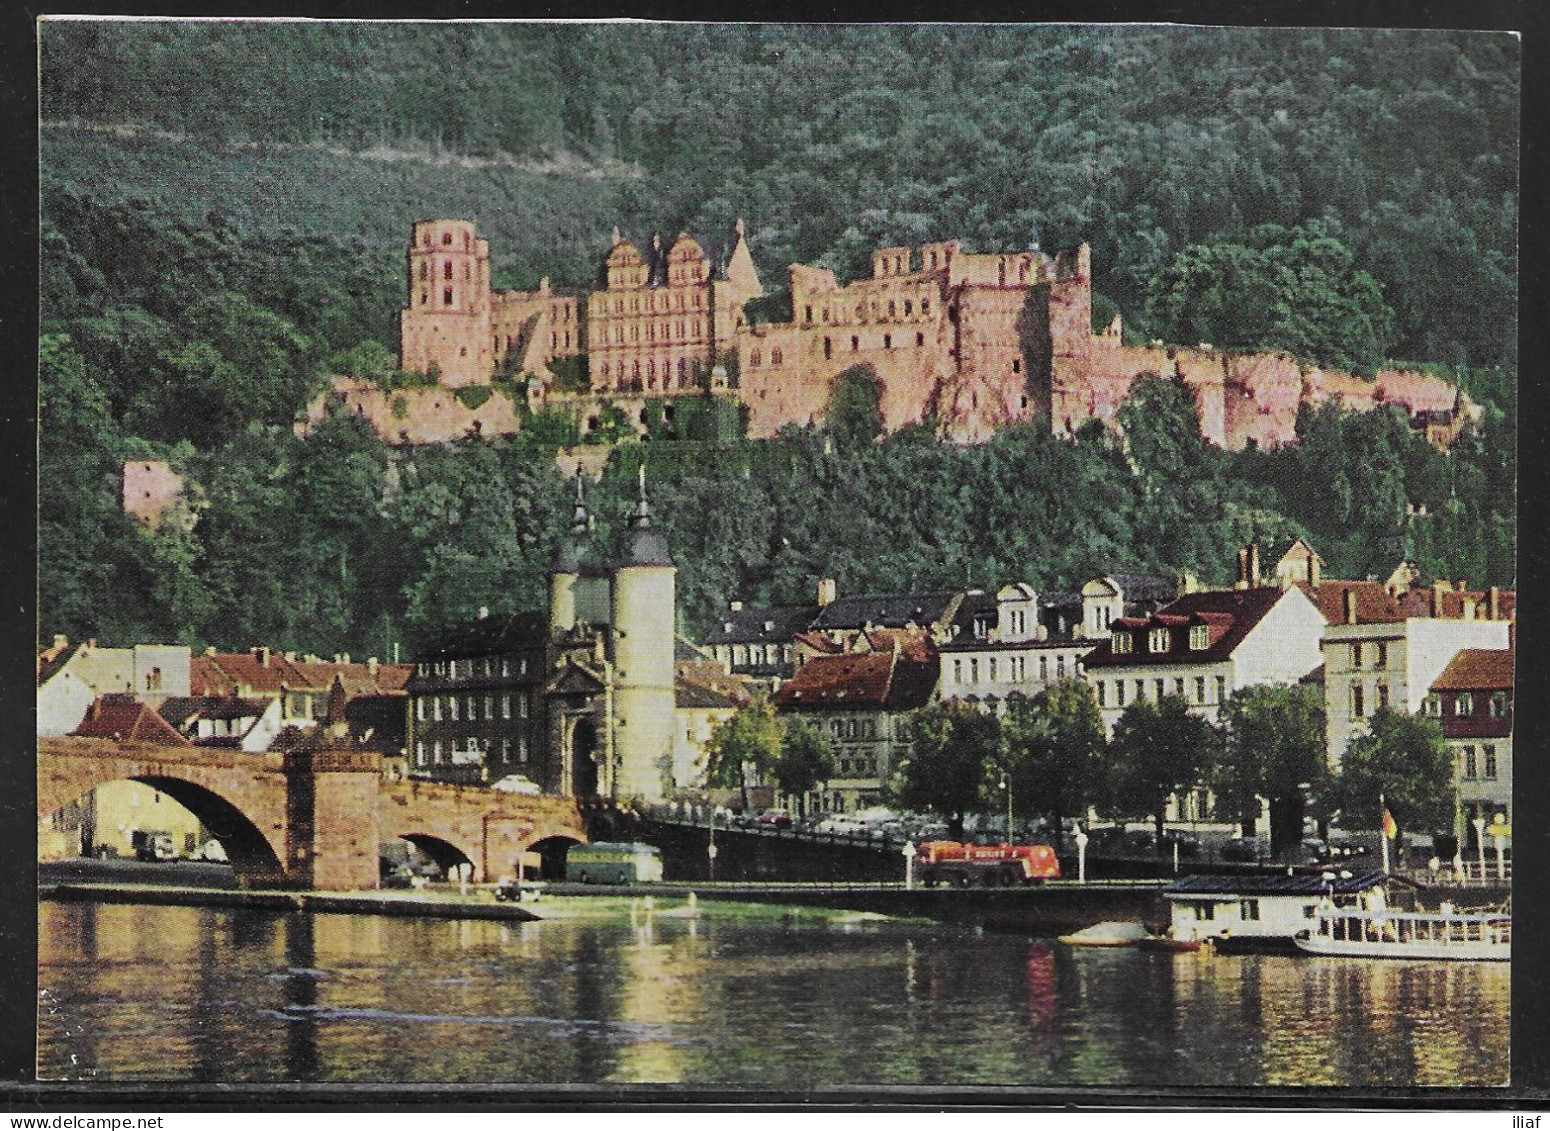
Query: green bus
[608, 862]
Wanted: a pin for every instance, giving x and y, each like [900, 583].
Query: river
[785, 1000]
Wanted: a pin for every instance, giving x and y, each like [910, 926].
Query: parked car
[840, 826]
[1187, 843]
[1242, 850]
[773, 819]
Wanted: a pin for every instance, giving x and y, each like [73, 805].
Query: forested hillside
[225, 207]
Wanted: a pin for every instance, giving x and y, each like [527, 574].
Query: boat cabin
[1260, 911]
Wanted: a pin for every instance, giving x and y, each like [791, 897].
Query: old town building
[1473, 701]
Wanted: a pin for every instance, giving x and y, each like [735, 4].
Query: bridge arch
[254, 859]
[442, 852]
[551, 852]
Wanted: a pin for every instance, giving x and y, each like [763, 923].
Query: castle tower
[446, 325]
[643, 620]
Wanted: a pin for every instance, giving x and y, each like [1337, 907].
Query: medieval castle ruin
[967, 342]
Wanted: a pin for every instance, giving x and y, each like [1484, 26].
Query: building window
[1383, 695]
[1358, 702]
[1381, 654]
[1432, 706]
[1060, 667]
[1248, 910]
[1471, 766]
[1178, 687]
[436, 708]
[828, 349]
[522, 748]
[473, 709]
[489, 706]
[992, 674]
[1043, 669]
[1489, 769]
[957, 671]
[452, 707]
[1100, 688]
[1199, 637]
[522, 709]
[419, 710]
[1356, 656]
[1157, 690]
[419, 753]
[1157, 640]
[974, 671]
[755, 358]
[1204, 912]
[1140, 690]
[1122, 642]
[436, 752]
[446, 296]
[855, 343]
[1464, 705]
[776, 357]
[1119, 693]
[1221, 689]
[1499, 705]
[1200, 689]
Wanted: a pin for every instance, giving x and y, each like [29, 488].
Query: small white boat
[1446, 934]
[1108, 934]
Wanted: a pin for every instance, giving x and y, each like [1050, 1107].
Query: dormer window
[1123, 642]
[1199, 636]
[1499, 705]
[769, 626]
[726, 626]
[1465, 705]
[1432, 705]
[1157, 640]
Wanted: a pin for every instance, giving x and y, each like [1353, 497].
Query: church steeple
[644, 543]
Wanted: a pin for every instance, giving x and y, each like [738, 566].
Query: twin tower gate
[314, 819]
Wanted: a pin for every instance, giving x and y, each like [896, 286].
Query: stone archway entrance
[584, 756]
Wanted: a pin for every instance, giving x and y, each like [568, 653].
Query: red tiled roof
[1374, 603]
[1230, 615]
[916, 645]
[1478, 669]
[126, 719]
[818, 642]
[875, 680]
[233, 673]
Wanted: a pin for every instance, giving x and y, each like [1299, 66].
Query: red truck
[984, 865]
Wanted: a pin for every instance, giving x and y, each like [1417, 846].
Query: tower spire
[640, 518]
[580, 521]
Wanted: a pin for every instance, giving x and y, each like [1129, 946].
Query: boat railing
[1468, 874]
[1440, 928]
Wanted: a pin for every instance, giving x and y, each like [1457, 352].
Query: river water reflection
[192, 994]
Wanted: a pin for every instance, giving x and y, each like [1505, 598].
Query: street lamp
[710, 851]
[1006, 784]
[1081, 855]
[1479, 823]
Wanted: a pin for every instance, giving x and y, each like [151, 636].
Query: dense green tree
[1159, 749]
[1273, 749]
[1295, 289]
[806, 761]
[948, 766]
[1401, 763]
[1052, 750]
[855, 414]
[744, 746]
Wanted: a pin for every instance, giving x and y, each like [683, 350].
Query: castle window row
[685, 368]
[870, 312]
[456, 708]
[669, 304]
[756, 358]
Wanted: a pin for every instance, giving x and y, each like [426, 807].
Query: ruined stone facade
[968, 343]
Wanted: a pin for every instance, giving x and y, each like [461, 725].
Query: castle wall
[975, 341]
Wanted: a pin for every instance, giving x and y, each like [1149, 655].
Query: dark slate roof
[490, 635]
[777, 624]
[1145, 588]
[886, 610]
[1302, 883]
[1231, 614]
[382, 717]
[182, 710]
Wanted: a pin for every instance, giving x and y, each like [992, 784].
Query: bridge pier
[332, 827]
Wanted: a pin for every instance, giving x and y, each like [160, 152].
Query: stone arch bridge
[314, 818]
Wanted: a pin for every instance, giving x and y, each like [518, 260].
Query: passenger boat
[1446, 934]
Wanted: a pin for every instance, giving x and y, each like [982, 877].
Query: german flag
[1390, 829]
